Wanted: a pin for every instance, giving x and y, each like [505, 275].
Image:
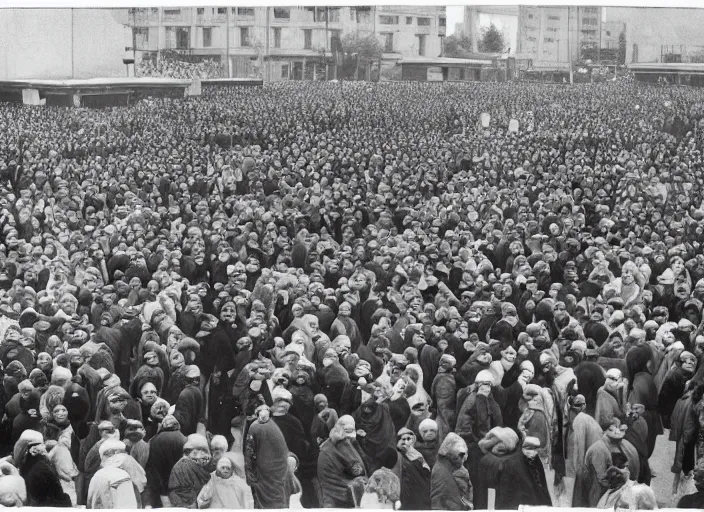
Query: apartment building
[281, 43]
[555, 36]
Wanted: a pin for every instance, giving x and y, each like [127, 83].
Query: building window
[178, 37]
[388, 20]
[141, 38]
[608, 33]
[222, 10]
[548, 40]
[423, 22]
[530, 16]
[352, 14]
[442, 22]
[554, 18]
[282, 13]
[207, 37]
[421, 44]
[172, 12]
[155, 10]
[200, 11]
[245, 11]
[388, 42]
[409, 20]
[307, 39]
[284, 71]
[334, 34]
[333, 15]
[277, 37]
[244, 36]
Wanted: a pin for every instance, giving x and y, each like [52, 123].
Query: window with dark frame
[423, 22]
[409, 20]
[307, 39]
[388, 42]
[277, 37]
[244, 37]
[207, 37]
[282, 13]
[388, 20]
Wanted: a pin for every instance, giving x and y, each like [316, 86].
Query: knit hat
[111, 445]
[196, 442]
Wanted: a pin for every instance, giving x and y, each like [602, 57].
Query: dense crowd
[353, 295]
[169, 67]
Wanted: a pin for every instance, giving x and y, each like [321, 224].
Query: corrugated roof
[446, 61]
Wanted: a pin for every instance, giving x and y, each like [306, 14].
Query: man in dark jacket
[522, 481]
[189, 406]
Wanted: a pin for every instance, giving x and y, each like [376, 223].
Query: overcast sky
[455, 14]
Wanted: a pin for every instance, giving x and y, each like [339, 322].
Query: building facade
[281, 43]
[62, 44]
[661, 35]
[557, 36]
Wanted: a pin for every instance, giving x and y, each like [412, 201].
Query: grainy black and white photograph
[406, 257]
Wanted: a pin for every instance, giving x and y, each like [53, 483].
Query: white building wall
[41, 43]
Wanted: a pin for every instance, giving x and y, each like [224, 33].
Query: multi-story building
[557, 36]
[478, 17]
[280, 43]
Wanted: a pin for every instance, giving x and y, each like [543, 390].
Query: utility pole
[158, 35]
[266, 56]
[327, 40]
[73, 75]
[227, 35]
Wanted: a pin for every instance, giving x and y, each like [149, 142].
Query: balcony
[211, 16]
[143, 17]
[176, 16]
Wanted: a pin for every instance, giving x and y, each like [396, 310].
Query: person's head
[110, 448]
[527, 372]
[218, 446]
[148, 393]
[688, 362]
[192, 375]
[614, 380]
[454, 450]
[484, 382]
[107, 430]
[530, 447]
[406, 439]
[263, 413]
[548, 361]
[347, 427]
[225, 467]
[25, 389]
[509, 354]
[117, 400]
[616, 430]
[321, 402]
[499, 441]
[197, 449]
[428, 430]
[60, 414]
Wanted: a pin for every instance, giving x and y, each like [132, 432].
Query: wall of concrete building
[62, 43]
[292, 48]
[649, 29]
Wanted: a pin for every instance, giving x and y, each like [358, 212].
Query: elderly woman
[450, 487]
[189, 474]
[226, 489]
[340, 462]
[415, 473]
[43, 483]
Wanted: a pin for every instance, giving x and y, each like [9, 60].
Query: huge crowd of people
[352, 295]
[170, 67]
